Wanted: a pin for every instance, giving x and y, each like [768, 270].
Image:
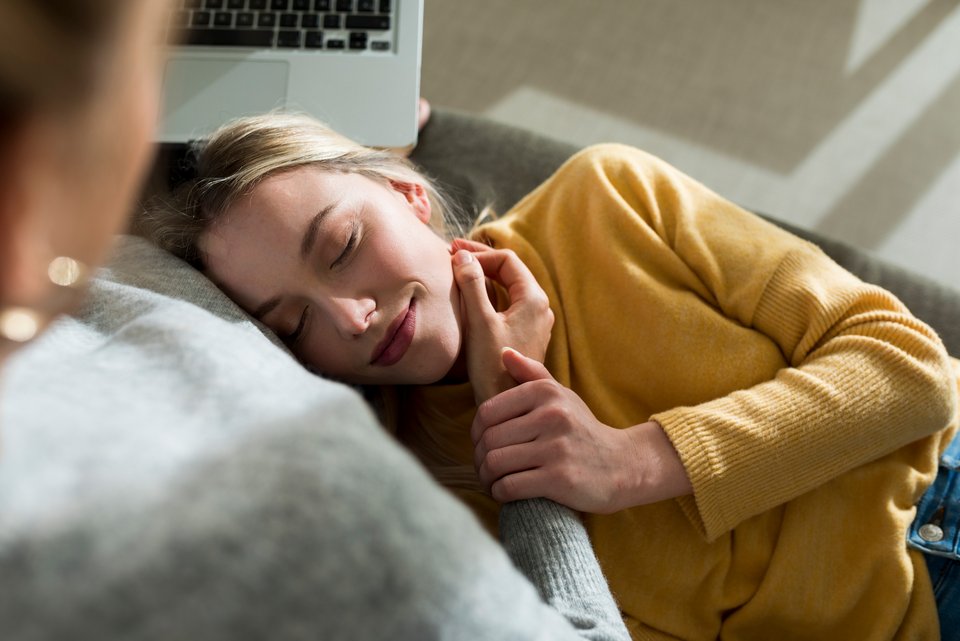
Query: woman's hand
[540, 439]
[525, 325]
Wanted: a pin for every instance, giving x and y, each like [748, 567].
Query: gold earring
[22, 324]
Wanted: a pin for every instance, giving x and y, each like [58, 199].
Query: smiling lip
[398, 338]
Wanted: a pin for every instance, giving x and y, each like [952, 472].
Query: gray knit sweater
[168, 473]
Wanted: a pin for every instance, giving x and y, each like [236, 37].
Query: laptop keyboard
[341, 25]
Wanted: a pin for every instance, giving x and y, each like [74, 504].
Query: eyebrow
[310, 235]
[306, 246]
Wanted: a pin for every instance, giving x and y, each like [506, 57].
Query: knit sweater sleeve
[548, 543]
[863, 376]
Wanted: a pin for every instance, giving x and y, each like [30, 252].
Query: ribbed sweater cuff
[548, 543]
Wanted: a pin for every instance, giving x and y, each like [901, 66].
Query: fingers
[506, 268]
[523, 369]
[512, 432]
[507, 461]
[423, 112]
[512, 403]
[536, 388]
[473, 287]
[470, 245]
[528, 484]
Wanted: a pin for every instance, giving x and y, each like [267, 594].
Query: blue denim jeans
[936, 533]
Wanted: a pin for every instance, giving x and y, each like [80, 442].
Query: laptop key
[309, 21]
[331, 21]
[380, 45]
[258, 5]
[223, 19]
[235, 4]
[335, 44]
[384, 6]
[314, 40]
[366, 6]
[214, 4]
[301, 5]
[368, 23]
[288, 39]
[201, 18]
[288, 20]
[358, 40]
[279, 5]
[345, 6]
[229, 37]
[245, 19]
[321, 5]
[267, 19]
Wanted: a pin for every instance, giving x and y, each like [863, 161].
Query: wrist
[658, 473]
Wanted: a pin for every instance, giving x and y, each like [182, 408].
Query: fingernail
[462, 257]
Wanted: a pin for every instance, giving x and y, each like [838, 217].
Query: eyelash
[348, 247]
[294, 336]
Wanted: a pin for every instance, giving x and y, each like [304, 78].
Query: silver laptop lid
[354, 64]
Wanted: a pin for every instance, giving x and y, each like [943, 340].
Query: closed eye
[349, 246]
[294, 337]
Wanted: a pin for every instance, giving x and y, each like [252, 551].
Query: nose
[352, 316]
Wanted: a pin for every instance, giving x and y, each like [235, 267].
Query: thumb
[521, 368]
[472, 283]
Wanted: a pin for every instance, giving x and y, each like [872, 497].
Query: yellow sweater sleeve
[863, 376]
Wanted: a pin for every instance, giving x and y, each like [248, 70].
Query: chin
[433, 363]
[445, 370]
[456, 367]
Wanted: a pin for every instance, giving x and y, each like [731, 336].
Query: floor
[841, 116]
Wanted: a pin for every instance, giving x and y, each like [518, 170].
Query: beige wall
[841, 116]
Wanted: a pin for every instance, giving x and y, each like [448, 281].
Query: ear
[416, 195]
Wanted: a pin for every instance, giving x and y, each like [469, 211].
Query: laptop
[353, 64]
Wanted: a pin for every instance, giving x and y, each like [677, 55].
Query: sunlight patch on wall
[877, 22]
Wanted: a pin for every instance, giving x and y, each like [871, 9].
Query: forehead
[279, 207]
[269, 213]
[259, 233]
[276, 196]
[258, 237]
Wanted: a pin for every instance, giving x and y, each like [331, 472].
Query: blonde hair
[238, 156]
[51, 50]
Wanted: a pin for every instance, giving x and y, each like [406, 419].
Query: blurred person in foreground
[151, 490]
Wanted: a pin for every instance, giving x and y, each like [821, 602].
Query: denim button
[936, 526]
[930, 532]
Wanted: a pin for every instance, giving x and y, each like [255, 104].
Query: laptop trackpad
[201, 94]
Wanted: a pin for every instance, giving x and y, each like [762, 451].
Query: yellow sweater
[807, 407]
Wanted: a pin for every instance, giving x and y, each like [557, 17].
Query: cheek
[448, 315]
[446, 291]
[324, 351]
[325, 360]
